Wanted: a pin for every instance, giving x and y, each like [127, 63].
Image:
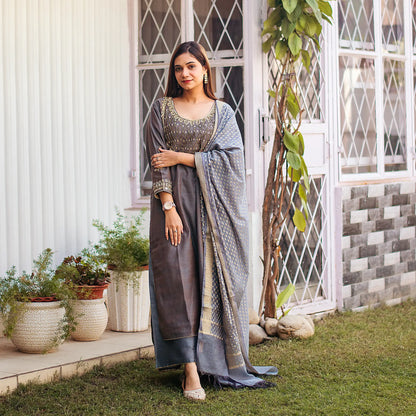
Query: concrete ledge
[71, 359]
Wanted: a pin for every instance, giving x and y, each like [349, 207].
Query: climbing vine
[288, 31]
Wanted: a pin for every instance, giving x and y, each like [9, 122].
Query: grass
[356, 364]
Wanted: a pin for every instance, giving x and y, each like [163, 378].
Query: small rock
[262, 322]
[256, 334]
[271, 326]
[295, 326]
[253, 318]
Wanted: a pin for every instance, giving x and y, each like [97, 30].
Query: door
[306, 259]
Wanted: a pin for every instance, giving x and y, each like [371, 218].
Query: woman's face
[189, 72]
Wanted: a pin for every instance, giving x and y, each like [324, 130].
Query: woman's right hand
[173, 226]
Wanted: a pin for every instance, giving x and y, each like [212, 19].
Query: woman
[198, 231]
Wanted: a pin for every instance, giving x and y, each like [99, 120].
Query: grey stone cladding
[378, 244]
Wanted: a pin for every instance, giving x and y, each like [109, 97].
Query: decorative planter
[85, 292]
[92, 318]
[128, 305]
[39, 327]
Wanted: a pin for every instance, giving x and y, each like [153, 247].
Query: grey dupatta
[222, 348]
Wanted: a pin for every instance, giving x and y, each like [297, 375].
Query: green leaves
[290, 28]
[290, 5]
[284, 295]
[295, 43]
[293, 23]
[306, 59]
[292, 103]
[315, 8]
[299, 220]
[281, 49]
[297, 170]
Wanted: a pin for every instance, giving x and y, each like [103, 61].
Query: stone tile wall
[378, 244]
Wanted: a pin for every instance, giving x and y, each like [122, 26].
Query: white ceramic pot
[39, 327]
[128, 306]
[91, 316]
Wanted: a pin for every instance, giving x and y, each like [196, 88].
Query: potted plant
[88, 277]
[35, 307]
[126, 253]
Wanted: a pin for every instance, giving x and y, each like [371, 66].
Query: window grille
[374, 83]
[163, 25]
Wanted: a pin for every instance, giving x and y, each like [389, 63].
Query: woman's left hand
[165, 158]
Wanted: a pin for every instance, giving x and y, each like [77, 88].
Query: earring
[205, 78]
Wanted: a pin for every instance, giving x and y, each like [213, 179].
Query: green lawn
[356, 364]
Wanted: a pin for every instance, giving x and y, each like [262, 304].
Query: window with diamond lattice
[304, 256]
[310, 85]
[374, 84]
[163, 25]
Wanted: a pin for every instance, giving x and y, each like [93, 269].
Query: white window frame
[139, 200]
[378, 55]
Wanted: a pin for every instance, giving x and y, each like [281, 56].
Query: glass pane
[160, 29]
[304, 258]
[218, 27]
[152, 86]
[311, 84]
[356, 24]
[358, 115]
[309, 88]
[228, 87]
[394, 115]
[392, 25]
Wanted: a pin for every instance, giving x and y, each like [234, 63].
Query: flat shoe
[197, 394]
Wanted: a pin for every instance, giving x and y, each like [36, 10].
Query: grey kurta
[176, 271]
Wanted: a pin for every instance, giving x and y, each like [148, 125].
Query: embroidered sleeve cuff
[165, 185]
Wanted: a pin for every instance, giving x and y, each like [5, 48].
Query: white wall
[64, 123]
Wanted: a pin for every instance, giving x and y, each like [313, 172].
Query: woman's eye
[177, 69]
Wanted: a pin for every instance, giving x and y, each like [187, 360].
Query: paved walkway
[72, 358]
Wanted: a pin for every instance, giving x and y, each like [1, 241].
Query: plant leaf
[293, 159]
[295, 15]
[295, 43]
[315, 9]
[272, 93]
[305, 209]
[284, 295]
[292, 106]
[281, 49]
[290, 5]
[267, 44]
[291, 142]
[312, 26]
[301, 22]
[301, 143]
[306, 60]
[299, 220]
[302, 192]
[325, 8]
[294, 174]
[305, 173]
[287, 27]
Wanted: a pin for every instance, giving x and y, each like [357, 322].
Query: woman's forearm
[186, 159]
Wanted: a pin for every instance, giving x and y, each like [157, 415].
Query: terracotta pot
[85, 292]
[43, 299]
